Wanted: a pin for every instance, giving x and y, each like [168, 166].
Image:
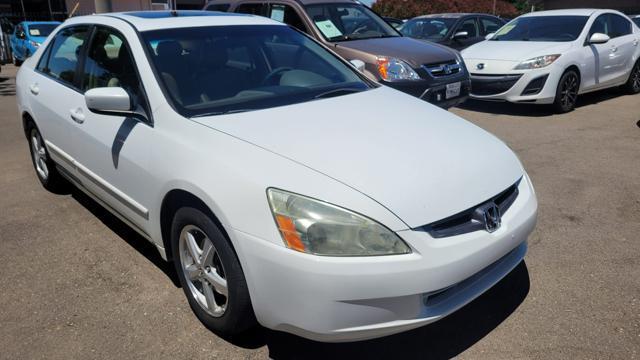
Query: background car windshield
[41, 29]
[429, 29]
[340, 22]
[542, 28]
[221, 69]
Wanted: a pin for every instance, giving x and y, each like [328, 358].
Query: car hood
[417, 160]
[415, 52]
[513, 50]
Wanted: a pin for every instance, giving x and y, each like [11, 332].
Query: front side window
[343, 22]
[221, 69]
[109, 64]
[619, 26]
[65, 51]
[287, 15]
[41, 30]
[490, 26]
[470, 26]
[428, 28]
[542, 28]
[637, 20]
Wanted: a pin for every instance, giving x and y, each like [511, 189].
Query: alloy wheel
[39, 155]
[635, 78]
[569, 90]
[203, 271]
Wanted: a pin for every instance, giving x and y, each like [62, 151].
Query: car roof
[156, 20]
[568, 12]
[303, 2]
[40, 22]
[451, 15]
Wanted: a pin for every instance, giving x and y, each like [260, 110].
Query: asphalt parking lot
[77, 283]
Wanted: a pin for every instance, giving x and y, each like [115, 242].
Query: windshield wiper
[214, 113]
[337, 92]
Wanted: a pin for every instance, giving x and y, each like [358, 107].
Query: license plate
[453, 90]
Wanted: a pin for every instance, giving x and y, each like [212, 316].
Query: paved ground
[76, 283]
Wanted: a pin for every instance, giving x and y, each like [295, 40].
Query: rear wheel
[45, 167]
[567, 92]
[633, 84]
[210, 273]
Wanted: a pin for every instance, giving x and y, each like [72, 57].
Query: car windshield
[542, 28]
[428, 28]
[41, 29]
[342, 22]
[222, 69]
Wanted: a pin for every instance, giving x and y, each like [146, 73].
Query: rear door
[54, 93]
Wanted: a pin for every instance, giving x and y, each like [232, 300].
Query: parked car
[457, 31]
[303, 193]
[396, 23]
[6, 28]
[550, 57]
[636, 19]
[27, 38]
[429, 71]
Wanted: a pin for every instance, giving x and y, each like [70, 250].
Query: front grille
[471, 219]
[492, 84]
[438, 70]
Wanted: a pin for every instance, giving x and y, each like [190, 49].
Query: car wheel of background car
[210, 273]
[633, 84]
[42, 163]
[567, 92]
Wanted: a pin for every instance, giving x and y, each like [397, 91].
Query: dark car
[457, 31]
[432, 72]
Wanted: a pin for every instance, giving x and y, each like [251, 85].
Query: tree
[405, 9]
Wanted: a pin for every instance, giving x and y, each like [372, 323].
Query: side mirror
[489, 36]
[359, 64]
[109, 101]
[599, 38]
[460, 35]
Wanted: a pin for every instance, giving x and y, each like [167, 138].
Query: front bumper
[434, 92]
[356, 298]
[516, 86]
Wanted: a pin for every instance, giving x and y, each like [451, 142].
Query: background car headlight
[315, 227]
[537, 62]
[392, 69]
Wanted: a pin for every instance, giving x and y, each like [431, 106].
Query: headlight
[391, 69]
[537, 62]
[315, 227]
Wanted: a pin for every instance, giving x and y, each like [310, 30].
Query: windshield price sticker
[328, 29]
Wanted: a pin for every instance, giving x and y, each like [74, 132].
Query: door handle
[35, 89]
[614, 49]
[635, 42]
[77, 115]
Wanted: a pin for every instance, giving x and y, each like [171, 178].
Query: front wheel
[632, 85]
[567, 92]
[210, 273]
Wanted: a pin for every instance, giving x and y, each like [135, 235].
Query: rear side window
[218, 7]
[619, 26]
[63, 54]
[252, 9]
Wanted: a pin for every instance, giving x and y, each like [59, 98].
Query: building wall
[626, 6]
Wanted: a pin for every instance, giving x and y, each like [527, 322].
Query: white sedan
[550, 57]
[285, 186]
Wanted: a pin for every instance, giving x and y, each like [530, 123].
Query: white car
[550, 57]
[279, 179]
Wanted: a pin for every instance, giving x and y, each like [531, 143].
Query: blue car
[28, 36]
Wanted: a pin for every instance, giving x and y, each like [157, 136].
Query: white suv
[550, 57]
[291, 191]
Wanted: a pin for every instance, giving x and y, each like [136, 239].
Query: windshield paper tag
[277, 14]
[328, 29]
[505, 29]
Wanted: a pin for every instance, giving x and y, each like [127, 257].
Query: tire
[633, 84]
[567, 92]
[45, 168]
[226, 315]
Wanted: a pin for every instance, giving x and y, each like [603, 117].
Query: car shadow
[126, 233]
[7, 88]
[532, 110]
[444, 339]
